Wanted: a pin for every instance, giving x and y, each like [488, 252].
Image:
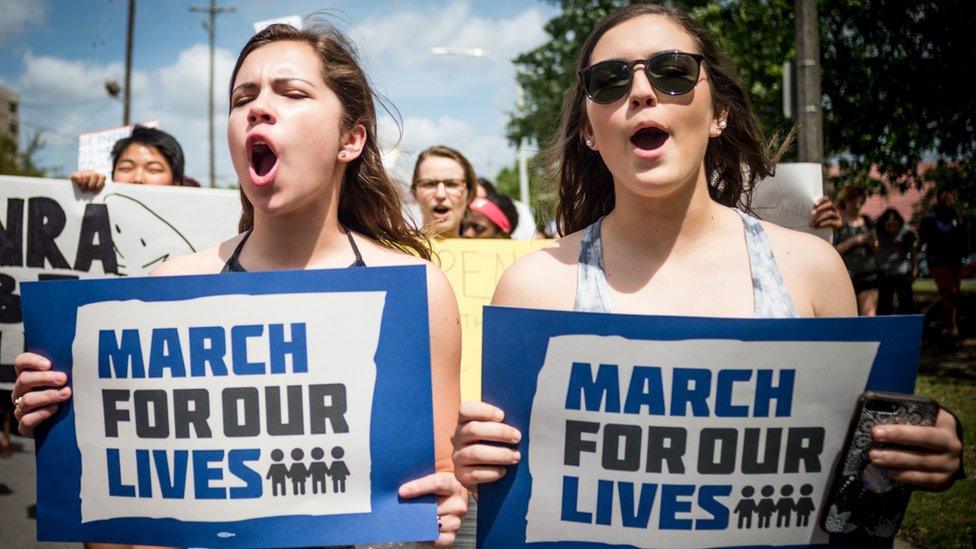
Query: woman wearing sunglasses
[656, 146]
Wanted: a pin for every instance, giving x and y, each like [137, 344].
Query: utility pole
[126, 98]
[211, 27]
[809, 114]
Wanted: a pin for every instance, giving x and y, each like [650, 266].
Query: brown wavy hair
[734, 161]
[470, 179]
[369, 202]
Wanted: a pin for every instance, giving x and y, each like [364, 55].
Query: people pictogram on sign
[298, 472]
[277, 473]
[785, 506]
[746, 507]
[318, 470]
[338, 470]
[804, 506]
[766, 507]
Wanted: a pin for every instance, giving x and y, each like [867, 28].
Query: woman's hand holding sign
[478, 456]
[452, 502]
[934, 457]
[37, 392]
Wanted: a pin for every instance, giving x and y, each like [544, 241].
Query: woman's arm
[931, 456]
[445, 361]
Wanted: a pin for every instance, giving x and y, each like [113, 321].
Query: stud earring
[342, 154]
[722, 124]
[589, 142]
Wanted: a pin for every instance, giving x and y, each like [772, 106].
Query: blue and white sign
[277, 409]
[643, 431]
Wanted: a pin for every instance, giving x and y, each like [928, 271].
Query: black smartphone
[864, 501]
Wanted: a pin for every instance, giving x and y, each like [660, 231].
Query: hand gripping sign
[642, 431]
[236, 410]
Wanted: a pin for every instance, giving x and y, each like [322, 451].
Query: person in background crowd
[485, 188]
[896, 262]
[147, 157]
[493, 216]
[856, 242]
[945, 247]
[525, 230]
[443, 184]
[303, 141]
[656, 144]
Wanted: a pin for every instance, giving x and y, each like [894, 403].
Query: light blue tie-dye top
[769, 292]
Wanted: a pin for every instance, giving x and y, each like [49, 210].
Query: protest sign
[473, 267]
[95, 148]
[643, 431]
[49, 229]
[787, 197]
[276, 409]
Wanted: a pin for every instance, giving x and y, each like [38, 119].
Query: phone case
[863, 500]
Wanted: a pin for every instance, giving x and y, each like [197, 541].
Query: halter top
[233, 264]
[769, 292]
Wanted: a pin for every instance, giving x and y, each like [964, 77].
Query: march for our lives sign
[277, 409]
[642, 431]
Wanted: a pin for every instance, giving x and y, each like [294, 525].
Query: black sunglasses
[672, 72]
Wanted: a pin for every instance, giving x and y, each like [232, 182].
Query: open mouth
[440, 210]
[263, 159]
[649, 139]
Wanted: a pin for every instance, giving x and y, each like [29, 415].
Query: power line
[48, 131]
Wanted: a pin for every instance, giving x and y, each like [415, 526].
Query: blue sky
[59, 53]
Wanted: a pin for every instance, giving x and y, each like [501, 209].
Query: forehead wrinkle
[287, 60]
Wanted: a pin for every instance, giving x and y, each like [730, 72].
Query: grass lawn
[947, 519]
[927, 286]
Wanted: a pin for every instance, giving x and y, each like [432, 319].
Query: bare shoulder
[377, 255]
[813, 272]
[544, 279]
[209, 261]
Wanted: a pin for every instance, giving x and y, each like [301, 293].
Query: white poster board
[787, 197]
[49, 229]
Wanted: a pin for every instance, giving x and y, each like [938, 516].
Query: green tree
[893, 77]
[16, 162]
[541, 193]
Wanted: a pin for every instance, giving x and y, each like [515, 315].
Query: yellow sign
[473, 266]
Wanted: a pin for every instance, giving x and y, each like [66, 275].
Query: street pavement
[17, 525]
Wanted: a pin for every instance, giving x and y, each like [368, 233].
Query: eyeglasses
[672, 72]
[453, 186]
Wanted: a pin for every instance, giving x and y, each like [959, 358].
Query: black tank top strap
[355, 249]
[233, 264]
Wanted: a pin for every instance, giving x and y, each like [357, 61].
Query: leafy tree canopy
[894, 77]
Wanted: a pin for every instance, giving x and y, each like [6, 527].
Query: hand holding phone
[863, 499]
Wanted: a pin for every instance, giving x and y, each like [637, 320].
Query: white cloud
[487, 152]
[397, 48]
[456, 101]
[174, 95]
[18, 15]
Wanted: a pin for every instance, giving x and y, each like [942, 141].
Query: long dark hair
[882, 222]
[368, 201]
[734, 161]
